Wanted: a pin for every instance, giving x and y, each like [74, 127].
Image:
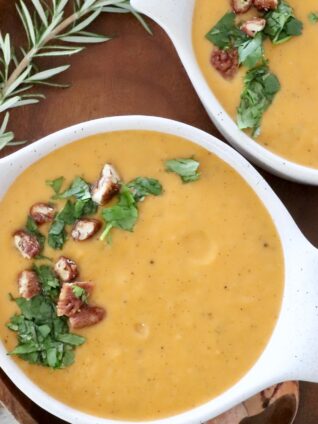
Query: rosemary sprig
[50, 33]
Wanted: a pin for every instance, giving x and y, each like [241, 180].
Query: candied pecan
[88, 315]
[253, 26]
[85, 228]
[42, 213]
[265, 4]
[107, 185]
[66, 269]
[28, 283]
[241, 6]
[225, 62]
[27, 244]
[68, 303]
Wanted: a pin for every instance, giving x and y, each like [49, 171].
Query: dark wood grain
[137, 74]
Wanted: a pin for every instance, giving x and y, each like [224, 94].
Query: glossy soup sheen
[290, 125]
[192, 294]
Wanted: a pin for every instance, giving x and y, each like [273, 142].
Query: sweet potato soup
[289, 127]
[192, 294]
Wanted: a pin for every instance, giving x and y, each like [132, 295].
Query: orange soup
[289, 127]
[192, 294]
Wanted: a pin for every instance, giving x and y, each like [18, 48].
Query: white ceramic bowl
[292, 351]
[175, 17]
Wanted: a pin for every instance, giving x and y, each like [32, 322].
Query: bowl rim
[167, 14]
[256, 378]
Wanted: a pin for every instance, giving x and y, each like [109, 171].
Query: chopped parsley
[225, 34]
[80, 293]
[78, 205]
[56, 184]
[260, 88]
[313, 17]
[79, 188]
[187, 169]
[43, 337]
[49, 282]
[57, 233]
[281, 23]
[32, 229]
[142, 187]
[123, 215]
[251, 52]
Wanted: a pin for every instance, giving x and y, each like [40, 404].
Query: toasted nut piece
[89, 315]
[85, 228]
[265, 4]
[68, 303]
[42, 213]
[28, 283]
[253, 26]
[241, 6]
[65, 269]
[225, 62]
[27, 244]
[107, 185]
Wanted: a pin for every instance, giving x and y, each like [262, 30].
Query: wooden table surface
[135, 74]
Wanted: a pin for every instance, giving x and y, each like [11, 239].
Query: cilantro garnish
[123, 215]
[251, 52]
[56, 184]
[260, 88]
[187, 169]
[80, 293]
[281, 23]
[57, 233]
[49, 283]
[32, 228]
[142, 187]
[43, 337]
[79, 188]
[313, 17]
[225, 34]
[78, 205]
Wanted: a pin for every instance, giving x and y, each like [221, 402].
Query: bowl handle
[174, 16]
[298, 344]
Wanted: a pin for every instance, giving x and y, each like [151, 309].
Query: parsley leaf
[123, 215]
[251, 52]
[84, 208]
[80, 293]
[43, 337]
[313, 17]
[281, 23]
[56, 184]
[225, 34]
[260, 88]
[142, 187]
[79, 188]
[67, 216]
[57, 234]
[49, 283]
[187, 169]
[32, 228]
[72, 339]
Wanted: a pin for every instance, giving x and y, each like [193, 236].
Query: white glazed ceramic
[175, 17]
[292, 351]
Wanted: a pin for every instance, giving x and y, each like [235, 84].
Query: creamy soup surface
[290, 125]
[192, 295]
